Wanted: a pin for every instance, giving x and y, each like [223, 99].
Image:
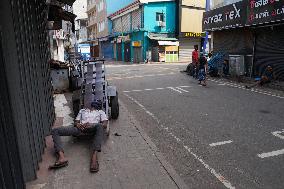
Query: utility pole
[206, 33]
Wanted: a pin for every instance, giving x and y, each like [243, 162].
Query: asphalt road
[219, 136]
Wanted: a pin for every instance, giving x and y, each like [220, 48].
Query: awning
[162, 38]
[56, 13]
[68, 2]
[169, 43]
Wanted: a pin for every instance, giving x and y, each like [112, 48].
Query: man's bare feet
[61, 157]
[60, 163]
[94, 168]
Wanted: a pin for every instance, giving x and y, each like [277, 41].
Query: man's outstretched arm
[104, 124]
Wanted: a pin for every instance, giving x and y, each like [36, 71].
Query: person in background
[267, 77]
[209, 57]
[202, 71]
[226, 67]
[195, 58]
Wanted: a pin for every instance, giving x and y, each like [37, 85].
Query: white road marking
[222, 84]
[161, 88]
[183, 90]
[271, 154]
[220, 143]
[278, 134]
[230, 83]
[151, 75]
[140, 76]
[221, 178]
[172, 88]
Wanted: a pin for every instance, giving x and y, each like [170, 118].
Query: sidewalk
[129, 160]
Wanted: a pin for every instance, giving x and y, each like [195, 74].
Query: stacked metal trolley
[92, 84]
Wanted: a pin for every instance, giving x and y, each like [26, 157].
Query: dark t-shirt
[202, 63]
[268, 74]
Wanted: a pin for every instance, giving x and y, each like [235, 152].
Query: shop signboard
[244, 13]
[136, 43]
[230, 16]
[192, 35]
[264, 11]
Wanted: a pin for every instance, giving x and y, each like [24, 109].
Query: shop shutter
[270, 50]
[117, 26]
[136, 19]
[185, 49]
[233, 41]
[107, 50]
[126, 19]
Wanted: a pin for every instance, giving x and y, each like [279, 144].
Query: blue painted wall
[138, 36]
[115, 5]
[168, 8]
[107, 49]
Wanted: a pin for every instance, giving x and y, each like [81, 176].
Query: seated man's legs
[62, 131]
[96, 146]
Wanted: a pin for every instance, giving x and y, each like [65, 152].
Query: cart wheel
[114, 106]
[76, 107]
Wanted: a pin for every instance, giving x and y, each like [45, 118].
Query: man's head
[196, 47]
[97, 105]
[269, 68]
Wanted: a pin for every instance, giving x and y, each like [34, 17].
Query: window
[101, 26]
[101, 6]
[160, 16]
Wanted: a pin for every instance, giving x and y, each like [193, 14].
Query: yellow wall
[191, 20]
[195, 3]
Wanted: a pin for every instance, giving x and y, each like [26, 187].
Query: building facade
[253, 30]
[190, 27]
[145, 31]
[99, 25]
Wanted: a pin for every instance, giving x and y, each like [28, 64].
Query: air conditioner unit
[161, 23]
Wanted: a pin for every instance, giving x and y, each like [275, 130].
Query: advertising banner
[264, 11]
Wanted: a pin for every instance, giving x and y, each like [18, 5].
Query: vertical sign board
[230, 16]
[264, 11]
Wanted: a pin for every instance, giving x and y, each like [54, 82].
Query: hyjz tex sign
[229, 16]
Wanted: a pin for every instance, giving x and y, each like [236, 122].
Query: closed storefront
[107, 50]
[127, 52]
[95, 51]
[253, 30]
[137, 54]
[119, 51]
[235, 41]
[186, 46]
[269, 50]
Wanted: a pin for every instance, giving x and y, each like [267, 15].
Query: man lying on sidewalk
[88, 122]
